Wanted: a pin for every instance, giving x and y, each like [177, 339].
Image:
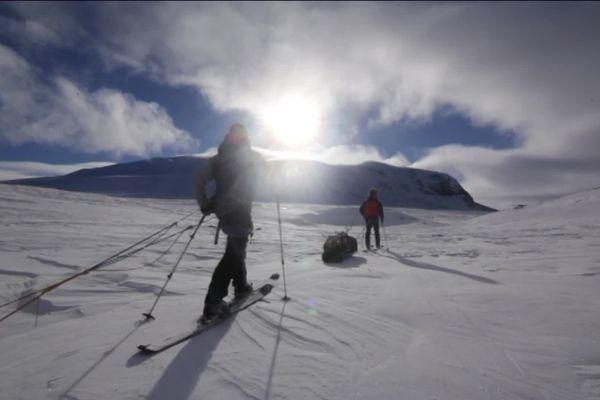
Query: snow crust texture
[458, 305]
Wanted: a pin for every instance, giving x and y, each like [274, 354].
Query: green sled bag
[338, 247]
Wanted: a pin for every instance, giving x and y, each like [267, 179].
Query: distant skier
[372, 211]
[234, 170]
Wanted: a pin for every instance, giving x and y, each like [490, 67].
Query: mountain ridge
[301, 181]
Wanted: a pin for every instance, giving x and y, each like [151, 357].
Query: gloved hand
[208, 208]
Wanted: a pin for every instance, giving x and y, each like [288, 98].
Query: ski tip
[147, 349]
[274, 276]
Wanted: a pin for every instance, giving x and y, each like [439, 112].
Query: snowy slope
[462, 305]
[301, 181]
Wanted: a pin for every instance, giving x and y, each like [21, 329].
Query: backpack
[338, 247]
[371, 208]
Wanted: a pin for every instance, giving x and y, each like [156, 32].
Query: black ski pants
[372, 222]
[232, 267]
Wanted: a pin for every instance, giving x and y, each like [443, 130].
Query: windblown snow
[458, 305]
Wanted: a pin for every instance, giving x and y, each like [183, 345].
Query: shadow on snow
[181, 376]
[275, 350]
[422, 265]
[350, 262]
[66, 395]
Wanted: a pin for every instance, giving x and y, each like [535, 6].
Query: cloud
[35, 23]
[520, 67]
[502, 178]
[57, 111]
[29, 30]
[212, 151]
[357, 154]
[338, 155]
[25, 169]
[530, 68]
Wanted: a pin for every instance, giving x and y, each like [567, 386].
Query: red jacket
[372, 208]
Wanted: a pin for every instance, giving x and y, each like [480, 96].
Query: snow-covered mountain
[459, 305]
[301, 181]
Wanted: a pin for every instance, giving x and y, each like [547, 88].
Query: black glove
[208, 208]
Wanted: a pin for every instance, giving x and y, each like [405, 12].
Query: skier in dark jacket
[234, 170]
[372, 211]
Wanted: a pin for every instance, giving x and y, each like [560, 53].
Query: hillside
[300, 181]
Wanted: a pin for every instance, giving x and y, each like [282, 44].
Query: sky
[503, 96]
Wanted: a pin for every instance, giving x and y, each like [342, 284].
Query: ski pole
[285, 297]
[217, 232]
[35, 296]
[362, 237]
[149, 315]
[172, 244]
[385, 235]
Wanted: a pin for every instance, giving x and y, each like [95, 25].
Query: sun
[293, 120]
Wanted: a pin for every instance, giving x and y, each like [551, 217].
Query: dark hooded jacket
[235, 170]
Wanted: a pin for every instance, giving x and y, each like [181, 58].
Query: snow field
[461, 305]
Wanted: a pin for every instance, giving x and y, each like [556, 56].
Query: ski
[258, 293]
[375, 251]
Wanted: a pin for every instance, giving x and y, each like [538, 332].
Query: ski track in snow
[461, 305]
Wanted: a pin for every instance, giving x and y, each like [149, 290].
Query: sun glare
[293, 120]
